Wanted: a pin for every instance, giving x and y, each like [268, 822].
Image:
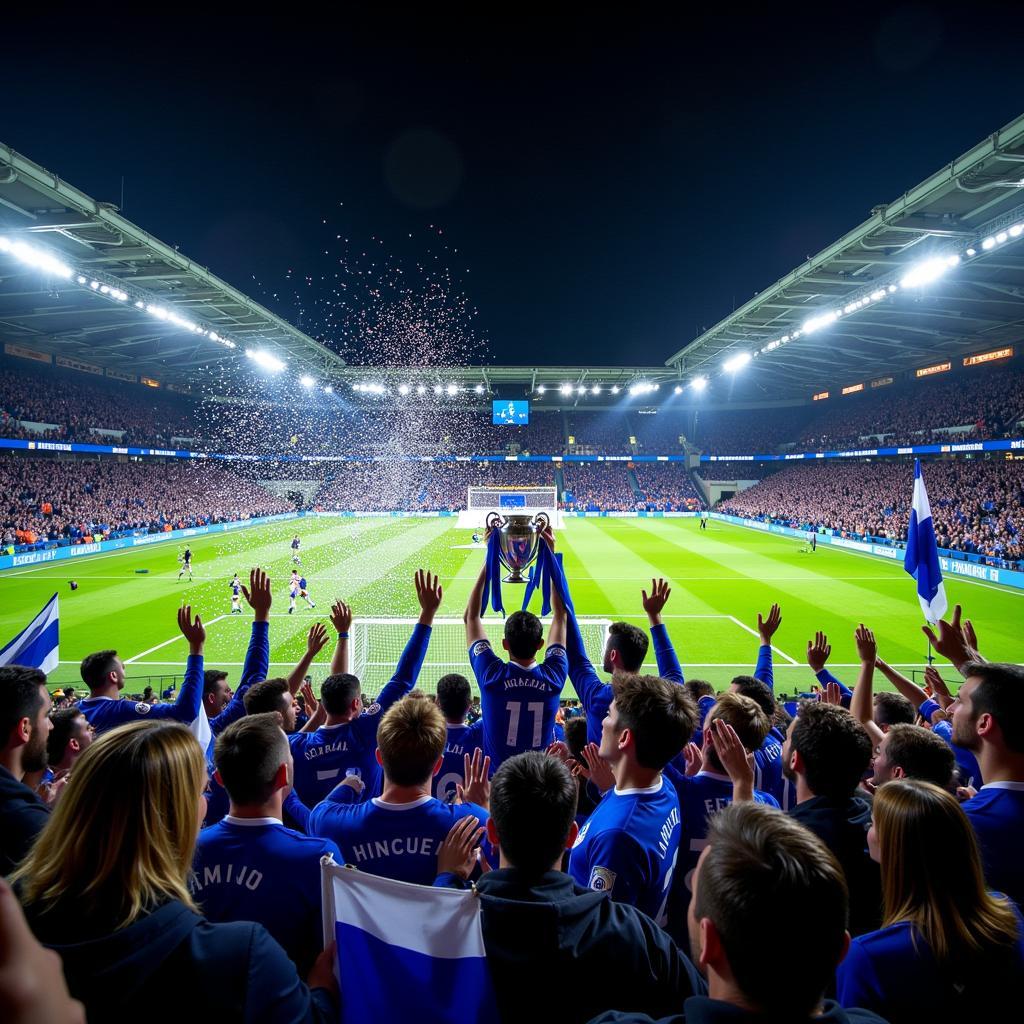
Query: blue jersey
[105, 713]
[254, 670]
[236, 587]
[255, 869]
[323, 757]
[997, 814]
[701, 797]
[519, 704]
[768, 775]
[595, 694]
[295, 544]
[628, 847]
[966, 762]
[893, 971]
[302, 583]
[397, 841]
[462, 740]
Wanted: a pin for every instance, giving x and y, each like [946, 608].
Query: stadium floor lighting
[265, 359]
[596, 389]
[566, 389]
[479, 389]
[541, 389]
[616, 389]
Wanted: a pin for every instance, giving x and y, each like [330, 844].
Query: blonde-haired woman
[948, 949]
[106, 886]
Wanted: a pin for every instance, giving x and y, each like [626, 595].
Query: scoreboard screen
[511, 412]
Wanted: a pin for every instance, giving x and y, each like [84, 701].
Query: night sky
[596, 190]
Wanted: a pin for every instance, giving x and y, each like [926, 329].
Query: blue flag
[36, 646]
[922, 557]
[406, 952]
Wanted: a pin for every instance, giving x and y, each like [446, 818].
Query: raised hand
[458, 852]
[192, 630]
[476, 787]
[341, 616]
[934, 681]
[694, 758]
[258, 595]
[656, 600]
[312, 705]
[429, 594]
[354, 782]
[818, 651]
[951, 641]
[867, 647]
[767, 625]
[731, 753]
[560, 751]
[832, 694]
[548, 536]
[597, 768]
[316, 639]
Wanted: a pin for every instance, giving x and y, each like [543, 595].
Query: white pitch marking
[754, 632]
[129, 661]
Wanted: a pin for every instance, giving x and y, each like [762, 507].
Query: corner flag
[922, 557]
[36, 645]
[406, 952]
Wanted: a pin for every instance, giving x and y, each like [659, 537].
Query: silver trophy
[519, 539]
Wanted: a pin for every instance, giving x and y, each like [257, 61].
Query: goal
[480, 501]
[377, 644]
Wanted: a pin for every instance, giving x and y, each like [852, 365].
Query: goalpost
[480, 501]
[377, 645]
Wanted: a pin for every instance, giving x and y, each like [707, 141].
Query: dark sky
[611, 185]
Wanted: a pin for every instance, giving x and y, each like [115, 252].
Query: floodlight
[737, 362]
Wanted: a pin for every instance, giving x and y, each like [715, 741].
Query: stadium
[847, 445]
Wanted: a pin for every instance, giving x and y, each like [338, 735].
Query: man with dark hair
[988, 719]
[348, 739]
[708, 791]
[910, 752]
[249, 867]
[398, 834]
[826, 754]
[453, 698]
[768, 775]
[760, 866]
[24, 727]
[537, 923]
[270, 696]
[628, 847]
[519, 697]
[69, 738]
[892, 709]
[103, 673]
[624, 654]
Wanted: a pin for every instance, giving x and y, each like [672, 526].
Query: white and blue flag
[36, 646]
[406, 952]
[922, 557]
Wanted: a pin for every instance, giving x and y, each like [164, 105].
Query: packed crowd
[590, 486]
[629, 863]
[45, 500]
[668, 487]
[606, 432]
[977, 507]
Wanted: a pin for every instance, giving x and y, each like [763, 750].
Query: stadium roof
[125, 320]
[937, 273]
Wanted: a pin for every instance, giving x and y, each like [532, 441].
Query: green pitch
[720, 580]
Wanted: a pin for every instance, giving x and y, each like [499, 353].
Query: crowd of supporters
[629, 857]
[977, 507]
[44, 500]
[605, 486]
[668, 487]
[73, 406]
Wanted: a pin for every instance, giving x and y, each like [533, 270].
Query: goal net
[480, 501]
[377, 644]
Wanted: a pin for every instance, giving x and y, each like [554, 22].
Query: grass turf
[721, 578]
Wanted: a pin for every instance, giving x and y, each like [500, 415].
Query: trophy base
[514, 577]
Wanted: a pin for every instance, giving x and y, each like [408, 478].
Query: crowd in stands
[590, 486]
[668, 487]
[45, 500]
[977, 506]
[630, 864]
[658, 433]
[736, 470]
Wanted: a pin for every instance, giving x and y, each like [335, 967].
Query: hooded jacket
[557, 951]
[174, 965]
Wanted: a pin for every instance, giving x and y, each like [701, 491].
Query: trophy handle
[493, 521]
[542, 522]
